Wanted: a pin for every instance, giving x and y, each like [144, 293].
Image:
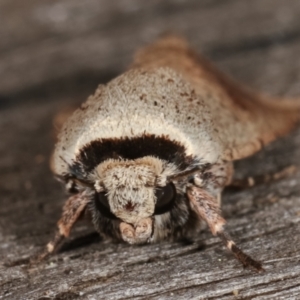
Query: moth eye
[102, 198]
[103, 205]
[165, 197]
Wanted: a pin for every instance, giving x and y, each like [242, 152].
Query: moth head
[134, 190]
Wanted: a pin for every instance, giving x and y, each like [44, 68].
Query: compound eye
[165, 197]
[103, 205]
[102, 198]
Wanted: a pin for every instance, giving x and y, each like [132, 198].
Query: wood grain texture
[54, 54]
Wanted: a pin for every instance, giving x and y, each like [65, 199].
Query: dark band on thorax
[129, 148]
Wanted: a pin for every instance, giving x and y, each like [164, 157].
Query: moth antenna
[208, 209]
[64, 160]
[184, 174]
[84, 183]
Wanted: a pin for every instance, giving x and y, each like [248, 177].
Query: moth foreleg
[207, 208]
[72, 210]
[214, 179]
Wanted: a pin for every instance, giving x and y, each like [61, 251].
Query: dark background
[53, 54]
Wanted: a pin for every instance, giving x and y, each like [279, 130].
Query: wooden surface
[53, 54]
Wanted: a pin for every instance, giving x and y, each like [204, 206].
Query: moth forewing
[150, 152]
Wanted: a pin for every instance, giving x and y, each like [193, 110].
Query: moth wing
[245, 121]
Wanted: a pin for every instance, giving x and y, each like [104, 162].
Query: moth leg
[215, 179]
[208, 209]
[72, 210]
[262, 179]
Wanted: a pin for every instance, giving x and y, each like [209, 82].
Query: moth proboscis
[149, 154]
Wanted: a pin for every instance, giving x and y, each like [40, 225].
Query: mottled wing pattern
[244, 121]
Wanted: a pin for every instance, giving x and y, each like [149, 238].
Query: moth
[149, 154]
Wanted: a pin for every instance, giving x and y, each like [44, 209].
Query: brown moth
[149, 154]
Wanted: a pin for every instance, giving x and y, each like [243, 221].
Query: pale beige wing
[245, 121]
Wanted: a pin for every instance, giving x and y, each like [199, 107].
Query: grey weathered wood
[64, 38]
[53, 54]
